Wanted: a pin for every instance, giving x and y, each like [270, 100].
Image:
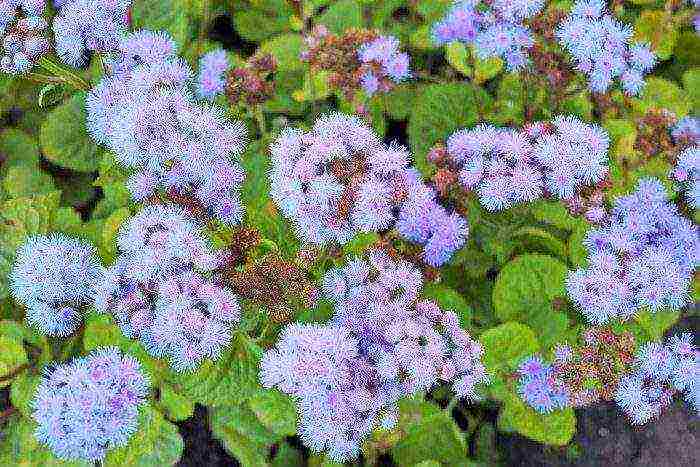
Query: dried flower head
[252, 84]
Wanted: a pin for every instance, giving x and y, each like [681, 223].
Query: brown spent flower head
[653, 136]
[252, 84]
[243, 240]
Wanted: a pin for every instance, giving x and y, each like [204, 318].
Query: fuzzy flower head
[601, 48]
[53, 276]
[83, 27]
[23, 35]
[211, 78]
[540, 387]
[496, 29]
[642, 257]
[687, 175]
[89, 406]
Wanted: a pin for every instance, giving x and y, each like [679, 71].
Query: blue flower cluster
[211, 77]
[89, 26]
[507, 167]
[143, 111]
[340, 179]
[661, 371]
[382, 60]
[53, 276]
[382, 344]
[686, 173]
[600, 44]
[540, 387]
[23, 35]
[642, 257]
[159, 293]
[495, 28]
[88, 406]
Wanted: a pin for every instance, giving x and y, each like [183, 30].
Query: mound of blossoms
[661, 371]
[540, 387]
[89, 26]
[143, 111]
[383, 344]
[643, 256]
[53, 276]
[687, 174]
[600, 45]
[159, 290]
[23, 35]
[495, 28]
[89, 406]
[340, 179]
[506, 166]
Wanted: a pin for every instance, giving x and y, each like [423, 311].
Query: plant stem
[64, 74]
[260, 119]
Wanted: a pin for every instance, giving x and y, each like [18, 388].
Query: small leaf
[177, 407]
[341, 15]
[457, 55]
[276, 411]
[449, 300]
[505, 346]
[242, 434]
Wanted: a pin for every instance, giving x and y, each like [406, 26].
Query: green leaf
[27, 180]
[691, 84]
[486, 68]
[286, 49]
[276, 411]
[18, 149]
[23, 391]
[176, 406]
[656, 324]
[510, 102]
[449, 299]
[341, 15]
[263, 20]
[242, 434]
[534, 239]
[360, 243]
[438, 112]
[108, 245]
[556, 428]
[156, 442]
[662, 94]
[164, 15]
[457, 55]
[554, 213]
[12, 356]
[505, 346]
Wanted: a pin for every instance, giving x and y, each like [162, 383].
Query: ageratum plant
[405, 232]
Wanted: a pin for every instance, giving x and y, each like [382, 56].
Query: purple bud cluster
[507, 167]
[687, 131]
[53, 277]
[540, 387]
[382, 60]
[340, 179]
[642, 257]
[687, 170]
[89, 26]
[600, 45]
[89, 406]
[143, 111]
[661, 371]
[211, 78]
[495, 28]
[160, 291]
[23, 35]
[383, 344]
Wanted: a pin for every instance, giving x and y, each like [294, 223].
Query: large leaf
[341, 15]
[556, 428]
[172, 16]
[505, 346]
[449, 299]
[242, 434]
[276, 411]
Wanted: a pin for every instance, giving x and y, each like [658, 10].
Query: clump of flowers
[340, 179]
[592, 372]
[211, 77]
[160, 289]
[642, 257]
[83, 27]
[143, 112]
[661, 371]
[252, 84]
[53, 276]
[23, 35]
[357, 59]
[600, 45]
[687, 175]
[540, 387]
[383, 344]
[686, 132]
[496, 29]
[507, 167]
[90, 405]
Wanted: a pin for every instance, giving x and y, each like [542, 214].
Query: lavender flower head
[600, 45]
[643, 257]
[160, 291]
[382, 344]
[23, 33]
[661, 371]
[383, 60]
[339, 179]
[144, 113]
[539, 386]
[687, 175]
[89, 26]
[687, 130]
[507, 167]
[496, 29]
[53, 276]
[89, 406]
[211, 78]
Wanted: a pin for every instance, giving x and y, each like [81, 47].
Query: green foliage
[556, 428]
[506, 346]
[341, 15]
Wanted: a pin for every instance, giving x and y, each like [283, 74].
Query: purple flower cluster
[540, 387]
[382, 345]
[144, 113]
[687, 174]
[89, 406]
[340, 179]
[687, 131]
[661, 371]
[600, 44]
[89, 26]
[383, 60]
[159, 292]
[506, 167]
[495, 28]
[53, 277]
[23, 35]
[211, 78]
[642, 257]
